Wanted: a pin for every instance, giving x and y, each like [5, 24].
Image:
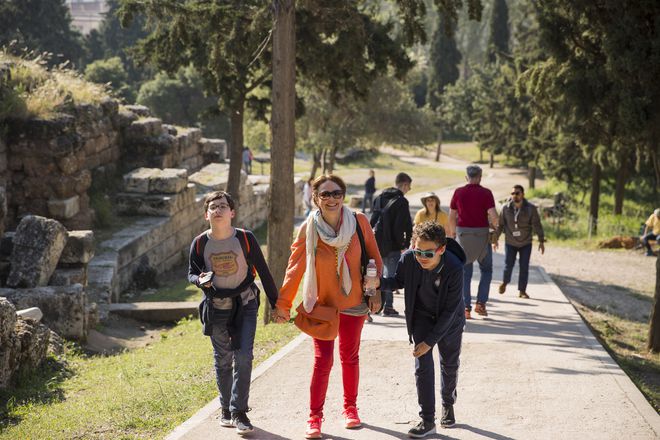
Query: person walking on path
[651, 231]
[369, 190]
[328, 252]
[431, 274]
[247, 160]
[519, 220]
[392, 227]
[472, 208]
[223, 261]
[431, 211]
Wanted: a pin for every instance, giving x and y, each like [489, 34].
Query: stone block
[168, 181]
[140, 110]
[193, 163]
[101, 272]
[64, 208]
[213, 177]
[34, 313]
[3, 209]
[155, 204]
[63, 307]
[138, 181]
[38, 244]
[68, 276]
[6, 244]
[143, 128]
[7, 319]
[79, 247]
[170, 129]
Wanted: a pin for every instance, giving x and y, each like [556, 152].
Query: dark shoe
[369, 318]
[502, 288]
[242, 423]
[468, 315]
[389, 311]
[225, 418]
[448, 419]
[650, 254]
[522, 294]
[422, 429]
[480, 309]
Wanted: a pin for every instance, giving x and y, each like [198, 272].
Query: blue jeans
[449, 348]
[523, 264]
[486, 268]
[389, 269]
[234, 383]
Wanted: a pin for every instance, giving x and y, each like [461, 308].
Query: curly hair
[430, 231]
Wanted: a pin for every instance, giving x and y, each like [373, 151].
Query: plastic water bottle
[372, 274]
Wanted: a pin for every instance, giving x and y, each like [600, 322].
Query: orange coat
[327, 281]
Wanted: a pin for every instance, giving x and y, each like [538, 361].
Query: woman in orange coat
[327, 252]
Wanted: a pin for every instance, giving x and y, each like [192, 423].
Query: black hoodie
[450, 313]
[396, 222]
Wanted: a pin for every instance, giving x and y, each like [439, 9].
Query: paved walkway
[530, 370]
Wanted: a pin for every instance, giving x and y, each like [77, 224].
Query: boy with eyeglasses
[431, 273]
[223, 263]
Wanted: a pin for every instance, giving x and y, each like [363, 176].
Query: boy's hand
[207, 284]
[280, 316]
[371, 283]
[421, 349]
[374, 302]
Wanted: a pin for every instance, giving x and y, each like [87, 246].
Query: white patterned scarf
[318, 228]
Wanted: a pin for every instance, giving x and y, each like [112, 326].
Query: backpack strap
[363, 258]
[200, 243]
[241, 234]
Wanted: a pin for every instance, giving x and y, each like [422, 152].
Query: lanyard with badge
[516, 213]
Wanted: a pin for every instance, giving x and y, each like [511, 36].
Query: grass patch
[626, 342]
[143, 393]
[35, 91]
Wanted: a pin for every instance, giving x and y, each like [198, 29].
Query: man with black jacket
[392, 227]
[431, 274]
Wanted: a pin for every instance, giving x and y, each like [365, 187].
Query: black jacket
[396, 222]
[451, 309]
[254, 258]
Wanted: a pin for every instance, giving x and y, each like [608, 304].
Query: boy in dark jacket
[222, 263]
[431, 274]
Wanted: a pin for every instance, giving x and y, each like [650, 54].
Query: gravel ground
[618, 282]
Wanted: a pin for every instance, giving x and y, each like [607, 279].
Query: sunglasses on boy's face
[337, 194]
[425, 254]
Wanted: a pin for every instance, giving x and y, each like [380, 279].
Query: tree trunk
[531, 177]
[492, 160]
[236, 155]
[595, 198]
[619, 191]
[281, 210]
[654, 327]
[481, 155]
[324, 161]
[332, 158]
[438, 150]
[316, 163]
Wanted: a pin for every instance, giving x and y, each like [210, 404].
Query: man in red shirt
[472, 212]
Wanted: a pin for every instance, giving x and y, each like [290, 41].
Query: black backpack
[382, 225]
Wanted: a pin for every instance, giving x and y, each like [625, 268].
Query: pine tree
[498, 41]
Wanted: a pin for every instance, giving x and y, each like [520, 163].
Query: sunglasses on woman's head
[337, 194]
[425, 254]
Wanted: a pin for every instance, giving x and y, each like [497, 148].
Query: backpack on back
[382, 225]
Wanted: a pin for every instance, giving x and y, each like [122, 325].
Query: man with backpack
[223, 263]
[393, 228]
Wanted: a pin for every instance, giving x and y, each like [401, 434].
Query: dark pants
[390, 262]
[449, 348]
[368, 200]
[510, 253]
[645, 241]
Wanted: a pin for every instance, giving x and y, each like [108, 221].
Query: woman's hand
[280, 316]
[374, 302]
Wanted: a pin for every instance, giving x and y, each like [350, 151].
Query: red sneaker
[351, 418]
[313, 427]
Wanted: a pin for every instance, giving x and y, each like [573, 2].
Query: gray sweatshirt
[519, 225]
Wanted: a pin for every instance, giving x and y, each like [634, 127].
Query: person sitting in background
[651, 231]
[431, 211]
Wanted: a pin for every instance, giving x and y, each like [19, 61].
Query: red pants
[350, 331]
